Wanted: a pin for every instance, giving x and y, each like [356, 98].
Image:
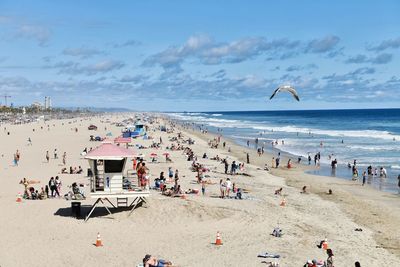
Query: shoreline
[366, 205]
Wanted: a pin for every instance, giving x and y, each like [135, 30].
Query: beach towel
[268, 255]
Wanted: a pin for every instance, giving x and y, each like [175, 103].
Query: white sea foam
[288, 129]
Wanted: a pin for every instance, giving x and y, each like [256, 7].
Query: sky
[201, 55]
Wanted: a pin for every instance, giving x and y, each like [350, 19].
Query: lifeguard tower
[108, 163]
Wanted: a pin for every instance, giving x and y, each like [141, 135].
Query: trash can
[76, 209]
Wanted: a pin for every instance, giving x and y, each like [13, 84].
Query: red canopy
[122, 140]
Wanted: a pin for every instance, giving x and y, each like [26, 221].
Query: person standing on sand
[55, 154]
[15, 160]
[222, 188]
[18, 156]
[398, 178]
[273, 162]
[329, 260]
[364, 177]
[47, 156]
[226, 165]
[64, 158]
[248, 158]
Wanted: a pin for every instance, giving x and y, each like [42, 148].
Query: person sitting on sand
[43, 194]
[311, 263]
[266, 167]
[80, 170]
[151, 261]
[279, 191]
[64, 171]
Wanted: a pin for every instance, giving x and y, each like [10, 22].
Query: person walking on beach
[55, 154]
[309, 159]
[226, 165]
[64, 158]
[364, 177]
[53, 187]
[47, 156]
[277, 160]
[273, 162]
[29, 141]
[248, 158]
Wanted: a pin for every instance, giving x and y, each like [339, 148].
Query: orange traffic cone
[19, 198]
[325, 244]
[218, 241]
[283, 202]
[98, 241]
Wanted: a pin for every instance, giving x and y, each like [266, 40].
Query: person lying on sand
[192, 191]
[151, 261]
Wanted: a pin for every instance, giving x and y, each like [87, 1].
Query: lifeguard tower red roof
[107, 150]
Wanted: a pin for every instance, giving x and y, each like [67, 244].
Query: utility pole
[5, 98]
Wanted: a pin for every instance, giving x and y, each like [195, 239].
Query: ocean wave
[216, 114]
[220, 123]
[397, 167]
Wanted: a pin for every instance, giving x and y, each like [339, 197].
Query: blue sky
[199, 56]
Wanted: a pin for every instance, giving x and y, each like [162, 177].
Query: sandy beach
[43, 232]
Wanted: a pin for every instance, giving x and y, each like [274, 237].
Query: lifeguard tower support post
[108, 164]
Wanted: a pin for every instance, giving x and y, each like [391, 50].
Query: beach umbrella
[153, 155]
[286, 88]
[166, 154]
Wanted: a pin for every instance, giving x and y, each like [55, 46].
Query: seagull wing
[294, 93]
[276, 91]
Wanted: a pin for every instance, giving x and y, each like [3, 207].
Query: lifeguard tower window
[113, 166]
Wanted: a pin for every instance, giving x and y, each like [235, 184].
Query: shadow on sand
[100, 211]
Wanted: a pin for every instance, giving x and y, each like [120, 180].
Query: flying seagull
[286, 88]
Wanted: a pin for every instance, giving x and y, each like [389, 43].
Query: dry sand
[42, 233]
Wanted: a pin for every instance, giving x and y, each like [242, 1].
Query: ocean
[371, 136]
